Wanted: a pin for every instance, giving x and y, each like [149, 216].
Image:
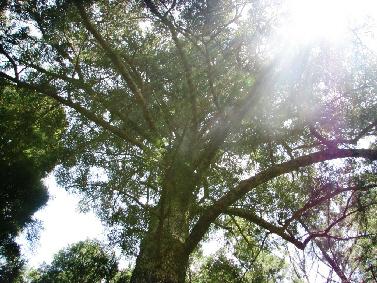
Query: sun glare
[309, 20]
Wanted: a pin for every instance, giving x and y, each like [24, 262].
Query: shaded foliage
[31, 128]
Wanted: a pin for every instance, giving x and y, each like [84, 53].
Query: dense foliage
[191, 117]
[30, 132]
[86, 262]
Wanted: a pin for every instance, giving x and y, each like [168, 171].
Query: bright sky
[327, 19]
[63, 225]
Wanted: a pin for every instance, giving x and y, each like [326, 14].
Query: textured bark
[160, 261]
[162, 256]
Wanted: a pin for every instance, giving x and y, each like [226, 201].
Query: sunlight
[311, 20]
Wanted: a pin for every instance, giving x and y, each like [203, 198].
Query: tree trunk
[160, 262]
[162, 256]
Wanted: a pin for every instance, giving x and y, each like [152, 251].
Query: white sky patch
[63, 225]
[366, 142]
[215, 242]
[312, 20]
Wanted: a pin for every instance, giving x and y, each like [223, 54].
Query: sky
[63, 224]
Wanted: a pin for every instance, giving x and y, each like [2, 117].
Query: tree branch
[232, 121]
[186, 66]
[365, 131]
[327, 257]
[335, 142]
[52, 93]
[321, 139]
[210, 77]
[11, 60]
[94, 95]
[314, 202]
[252, 217]
[118, 64]
[245, 186]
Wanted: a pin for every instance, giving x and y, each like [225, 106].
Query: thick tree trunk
[162, 256]
[160, 262]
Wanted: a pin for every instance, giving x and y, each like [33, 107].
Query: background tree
[218, 269]
[182, 113]
[223, 267]
[86, 261]
[30, 129]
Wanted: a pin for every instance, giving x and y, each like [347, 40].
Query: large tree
[185, 115]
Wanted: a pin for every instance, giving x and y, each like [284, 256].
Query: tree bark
[160, 261]
[162, 256]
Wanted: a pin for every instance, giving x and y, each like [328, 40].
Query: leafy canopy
[184, 115]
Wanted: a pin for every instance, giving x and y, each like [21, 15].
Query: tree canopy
[191, 117]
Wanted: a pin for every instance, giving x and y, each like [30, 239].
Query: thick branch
[118, 63]
[245, 186]
[280, 231]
